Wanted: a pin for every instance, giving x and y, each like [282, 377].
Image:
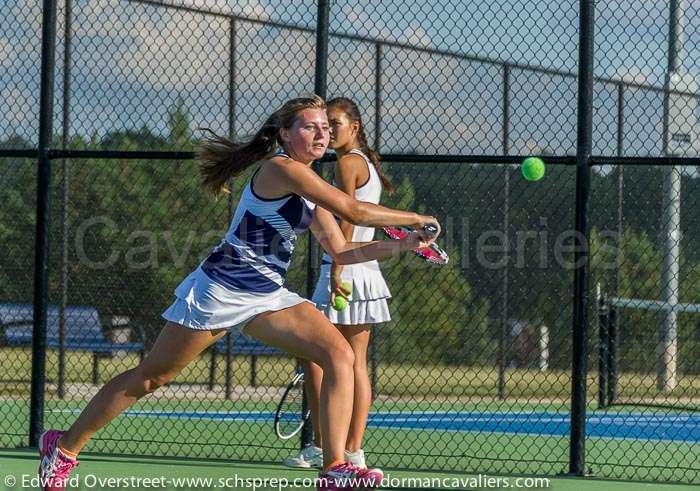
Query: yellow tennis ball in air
[532, 168]
[340, 303]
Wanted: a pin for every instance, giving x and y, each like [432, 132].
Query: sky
[131, 62]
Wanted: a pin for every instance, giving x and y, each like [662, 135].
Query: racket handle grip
[430, 228]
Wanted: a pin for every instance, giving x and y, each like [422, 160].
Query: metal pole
[373, 362]
[67, 34]
[229, 207]
[620, 182]
[228, 362]
[41, 260]
[229, 368]
[321, 73]
[320, 88]
[670, 220]
[502, 338]
[603, 343]
[232, 80]
[377, 96]
[374, 341]
[613, 338]
[577, 455]
[612, 319]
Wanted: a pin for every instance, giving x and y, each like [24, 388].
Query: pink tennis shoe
[55, 466]
[348, 477]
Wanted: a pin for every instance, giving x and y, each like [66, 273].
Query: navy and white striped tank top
[257, 249]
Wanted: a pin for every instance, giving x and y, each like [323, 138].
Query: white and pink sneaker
[55, 466]
[348, 477]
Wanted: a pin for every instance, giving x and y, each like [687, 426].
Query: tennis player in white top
[357, 173]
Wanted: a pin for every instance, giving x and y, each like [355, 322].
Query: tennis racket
[290, 416]
[432, 253]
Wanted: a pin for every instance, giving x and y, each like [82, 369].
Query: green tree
[180, 134]
[437, 317]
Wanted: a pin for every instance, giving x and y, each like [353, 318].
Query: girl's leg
[305, 332]
[358, 337]
[174, 349]
[313, 376]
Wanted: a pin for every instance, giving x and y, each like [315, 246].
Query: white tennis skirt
[203, 304]
[368, 301]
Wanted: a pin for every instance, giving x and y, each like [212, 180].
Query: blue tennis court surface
[637, 426]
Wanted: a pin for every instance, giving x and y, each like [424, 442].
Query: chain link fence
[646, 364]
[473, 373]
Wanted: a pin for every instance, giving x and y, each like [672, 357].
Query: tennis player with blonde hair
[241, 283]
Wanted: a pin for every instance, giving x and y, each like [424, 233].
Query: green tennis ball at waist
[346, 286]
[532, 168]
[340, 303]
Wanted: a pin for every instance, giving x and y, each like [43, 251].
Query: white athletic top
[257, 249]
[371, 192]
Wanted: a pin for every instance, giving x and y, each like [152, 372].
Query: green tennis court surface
[119, 472]
[535, 437]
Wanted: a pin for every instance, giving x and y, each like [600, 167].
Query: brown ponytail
[350, 108]
[223, 159]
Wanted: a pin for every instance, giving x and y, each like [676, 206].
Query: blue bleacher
[83, 331]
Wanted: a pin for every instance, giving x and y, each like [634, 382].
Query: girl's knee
[340, 356]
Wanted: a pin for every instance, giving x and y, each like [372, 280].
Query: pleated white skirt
[204, 304]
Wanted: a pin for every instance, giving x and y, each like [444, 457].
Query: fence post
[377, 142]
[603, 343]
[667, 377]
[320, 88]
[577, 453]
[65, 134]
[613, 338]
[503, 331]
[377, 95]
[232, 79]
[373, 363]
[229, 366]
[41, 260]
